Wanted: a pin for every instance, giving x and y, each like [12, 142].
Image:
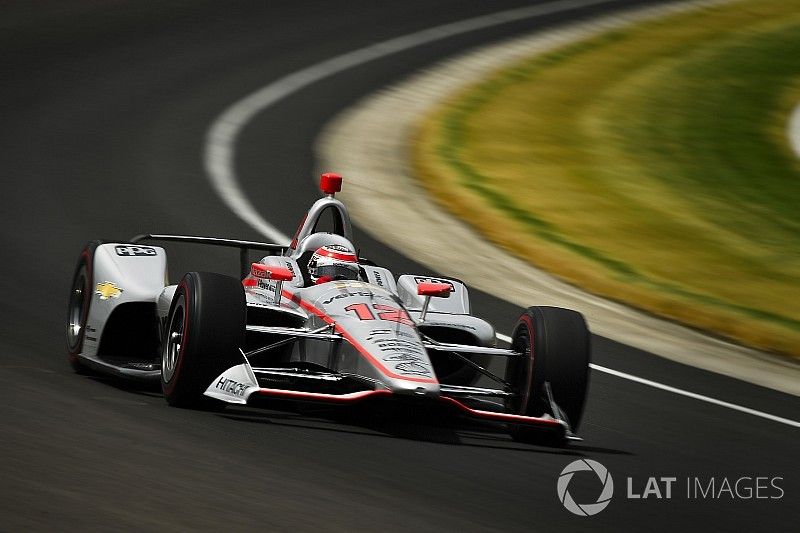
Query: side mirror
[437, 290]
[278, 274]
[432, 290]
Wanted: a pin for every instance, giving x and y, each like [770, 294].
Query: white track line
[681, 392]
[221, 139]
[220, 146]
[794, 130]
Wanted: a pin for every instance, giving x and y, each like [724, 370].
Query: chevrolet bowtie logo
[107, 290]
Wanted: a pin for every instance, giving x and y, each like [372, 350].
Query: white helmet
[333, 262]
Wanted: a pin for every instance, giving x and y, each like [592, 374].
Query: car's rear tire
[80, 300]
[556, 347]
[204, 331]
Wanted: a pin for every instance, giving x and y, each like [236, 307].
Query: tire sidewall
[548, 360]
[529, 335]
[85, 260]
[168, 387]
[214, 323]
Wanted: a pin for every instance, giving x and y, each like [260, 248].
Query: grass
[649, 165]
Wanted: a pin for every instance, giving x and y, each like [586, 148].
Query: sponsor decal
[399, 333]
[397, 344]
[407, 354]
[344, 284]
[266, 285]
[363, 294]
[135, 251]
[449, 325]
[378, 277]
[413, 368]
[338, 252]
[274, 272]
[107, 289]
[420, 279]
[348, 294]
[231, 387]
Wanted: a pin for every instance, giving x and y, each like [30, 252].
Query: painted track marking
[681, 392]
[220, 145]
[794, 130]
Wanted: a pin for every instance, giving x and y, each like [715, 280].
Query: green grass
[649, 165]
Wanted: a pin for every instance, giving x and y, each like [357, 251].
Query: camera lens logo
[585, 509]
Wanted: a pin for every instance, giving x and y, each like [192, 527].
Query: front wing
[239, 386]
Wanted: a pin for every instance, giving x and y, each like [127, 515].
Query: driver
[332, 262]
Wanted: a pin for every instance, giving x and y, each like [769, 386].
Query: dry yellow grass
[648, 165]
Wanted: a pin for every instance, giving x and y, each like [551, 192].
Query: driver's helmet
[332, 262]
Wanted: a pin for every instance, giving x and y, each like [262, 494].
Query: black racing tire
[557, 347]
[208, 313]
[80, 300]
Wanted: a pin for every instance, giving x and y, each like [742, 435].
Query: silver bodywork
[138, 275]
[391, 352]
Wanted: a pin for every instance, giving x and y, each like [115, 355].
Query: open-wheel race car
[313, 322]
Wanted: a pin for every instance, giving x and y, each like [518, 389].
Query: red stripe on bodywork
[293, 245]
[376, 362]
[354, 397]
[504, 417]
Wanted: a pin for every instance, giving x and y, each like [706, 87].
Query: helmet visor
[338, 271]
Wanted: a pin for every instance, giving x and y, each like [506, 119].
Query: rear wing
[243, 246]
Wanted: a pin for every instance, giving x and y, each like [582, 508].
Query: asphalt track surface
[104, 111]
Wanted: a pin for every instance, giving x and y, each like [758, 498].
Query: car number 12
[385, 312]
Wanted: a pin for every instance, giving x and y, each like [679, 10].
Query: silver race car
[313, 322]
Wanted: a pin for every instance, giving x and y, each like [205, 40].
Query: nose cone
[413, 388]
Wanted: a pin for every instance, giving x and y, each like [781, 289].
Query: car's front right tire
[204, 331]
[80, 300]
[556, 350]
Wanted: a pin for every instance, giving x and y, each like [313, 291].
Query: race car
[314, 322]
